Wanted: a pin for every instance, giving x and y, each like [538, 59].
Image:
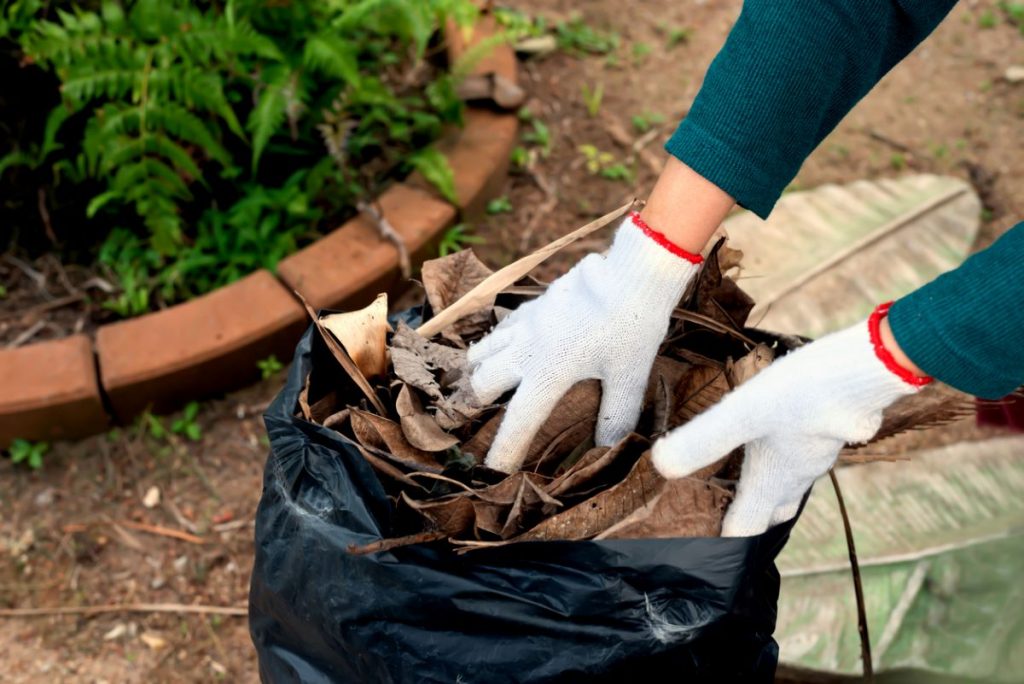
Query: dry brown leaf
[483, 294]
[589, 469]
[419, 428]
[705, 387]
[601, 511]
[686, 507]
[363, 334]
[385, 436]
[452, 514]
[572, 422]
[759, 358]
[344, 360]
[446, 280]
[936, 404]
[480, 443]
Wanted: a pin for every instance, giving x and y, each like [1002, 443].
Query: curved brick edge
[53, 390]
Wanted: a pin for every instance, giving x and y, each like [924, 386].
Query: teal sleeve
[966, 327]
[788, 72]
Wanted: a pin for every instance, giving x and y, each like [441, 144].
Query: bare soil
[68, 533]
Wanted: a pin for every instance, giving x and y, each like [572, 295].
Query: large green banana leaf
[940, 540]
[825, 257]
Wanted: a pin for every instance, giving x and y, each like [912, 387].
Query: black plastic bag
[696, 610]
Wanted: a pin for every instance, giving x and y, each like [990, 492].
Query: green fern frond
[268, 115]
[332, 55]
[110, 84]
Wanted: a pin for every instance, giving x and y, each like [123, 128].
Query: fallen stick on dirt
[125, 608]
[163, 532]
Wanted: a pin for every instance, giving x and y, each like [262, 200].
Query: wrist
[686, 207]
[889, 351]
[642, 259]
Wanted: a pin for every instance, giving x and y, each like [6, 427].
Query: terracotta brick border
[63, 389]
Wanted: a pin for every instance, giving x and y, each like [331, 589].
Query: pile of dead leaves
[402, 401]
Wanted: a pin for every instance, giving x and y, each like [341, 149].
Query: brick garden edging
[62, 389]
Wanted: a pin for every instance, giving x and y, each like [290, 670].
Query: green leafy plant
[576, 37]
[897, 161]
[29, 453]
[520, 157]
[677, 35]
[499, 205]
[1014, 12]
[603, 164]
[269, 366]
[644, 122]
[592, 98]
[641, 51]
[540, 135]
[186, 424]
[456, 239]
[988, 19]
[221, 134]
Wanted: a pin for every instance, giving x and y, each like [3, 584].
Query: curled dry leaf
[452, 514]
[385, 436]
[344, 360]
[687, 507]
[759, 358]
[419, 428]
[448, 279]
[601, 511]
[363, 334]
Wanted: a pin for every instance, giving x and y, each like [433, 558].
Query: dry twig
[858, 588]
[198, 609]
[388, 232]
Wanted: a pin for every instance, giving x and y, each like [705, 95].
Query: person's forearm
[966, 327]
[686, 207]
[789, 71]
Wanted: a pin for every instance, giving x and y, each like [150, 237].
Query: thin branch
[858, 588]
[163, 532]
[388, 232]
[197, 609]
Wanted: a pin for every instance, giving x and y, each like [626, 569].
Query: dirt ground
[74, 533]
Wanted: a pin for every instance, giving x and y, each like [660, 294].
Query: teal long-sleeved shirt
[788, 73]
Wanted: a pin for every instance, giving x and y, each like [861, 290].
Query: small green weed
[457, 238]
[520, 157]
[603, 164]
[29, 453]
[499, 205]
[644, 122]
[988, 20]
[897, 161]
[592, 98]
[641, 51]
[269, 366]
[539, 136]
[186, 425]
[576, 37]
[678, 36]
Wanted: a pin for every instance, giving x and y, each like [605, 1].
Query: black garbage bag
[694, 610]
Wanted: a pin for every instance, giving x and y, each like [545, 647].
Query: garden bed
[193, 344]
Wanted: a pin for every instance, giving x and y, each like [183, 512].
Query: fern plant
[183, 109]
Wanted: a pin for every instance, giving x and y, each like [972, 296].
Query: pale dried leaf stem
[483, 294]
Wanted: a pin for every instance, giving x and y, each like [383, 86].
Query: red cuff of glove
[884, 355]
[664, 241]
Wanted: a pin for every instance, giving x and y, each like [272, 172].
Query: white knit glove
[794, 417]
[603, 319]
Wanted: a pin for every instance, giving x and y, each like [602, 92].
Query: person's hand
[603, 319]
[794, 417]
